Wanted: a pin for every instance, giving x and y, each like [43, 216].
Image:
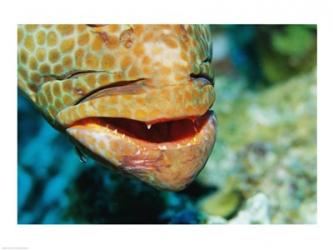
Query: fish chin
[167, 154]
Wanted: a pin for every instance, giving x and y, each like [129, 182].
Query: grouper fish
[136, 98]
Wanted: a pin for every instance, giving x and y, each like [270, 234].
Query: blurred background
[262, 169]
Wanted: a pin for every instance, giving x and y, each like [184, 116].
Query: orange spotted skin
[145, 73]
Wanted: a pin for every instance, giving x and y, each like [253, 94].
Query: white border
[163, 237]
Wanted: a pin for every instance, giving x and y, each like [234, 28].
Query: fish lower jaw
[167, 155]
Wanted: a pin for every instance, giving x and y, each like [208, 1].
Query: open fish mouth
[168, 133]
[157, 132]
[166, 149]
[168, 155]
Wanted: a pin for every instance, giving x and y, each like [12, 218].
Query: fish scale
[142, 73]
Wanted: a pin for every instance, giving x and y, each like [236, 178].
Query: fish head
[135, 97]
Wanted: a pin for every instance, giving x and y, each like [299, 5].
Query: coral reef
[266, 143]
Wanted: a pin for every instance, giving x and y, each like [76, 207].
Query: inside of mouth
[157, 132]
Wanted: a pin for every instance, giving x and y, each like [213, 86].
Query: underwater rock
[55, 186]
[99, 196]
[52, 217]
[212, 219]
[31, 154]
[261, 152]
[224, 204]
[308, 211]
[43, 176]
[187, 216]
[287, 50]
[256, 211]
[24, 186]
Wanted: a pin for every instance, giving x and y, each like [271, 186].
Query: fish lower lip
[154, 132]
[168, 155]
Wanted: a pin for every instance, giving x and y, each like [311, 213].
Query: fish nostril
[127, 38]
[207, 60]
[203, 76]
[79, 91]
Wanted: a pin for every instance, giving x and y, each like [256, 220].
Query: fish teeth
[163, 147]
[148, 126]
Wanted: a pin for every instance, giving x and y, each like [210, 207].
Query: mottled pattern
[150, 73]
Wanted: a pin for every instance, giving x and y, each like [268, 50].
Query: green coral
[286, 51]
[296, 40]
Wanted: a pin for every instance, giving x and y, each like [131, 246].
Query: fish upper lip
[95, 104]
[129, 86]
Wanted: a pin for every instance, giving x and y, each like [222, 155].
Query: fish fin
[82, 156]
